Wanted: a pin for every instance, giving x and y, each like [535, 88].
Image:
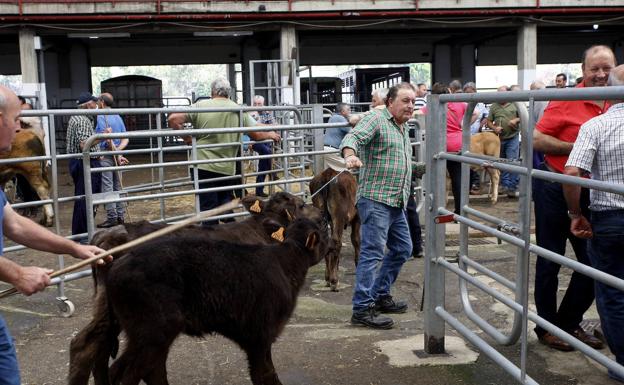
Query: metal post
[88, 191]
[161, 170]
[436, 185]
[317, 118]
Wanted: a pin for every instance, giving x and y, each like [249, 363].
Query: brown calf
[337, 202]
[27, 143]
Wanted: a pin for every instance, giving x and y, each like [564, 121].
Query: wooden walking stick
[166, 230]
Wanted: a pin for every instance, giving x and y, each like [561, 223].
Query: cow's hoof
[46, 222]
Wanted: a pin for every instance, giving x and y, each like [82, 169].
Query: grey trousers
[111, 182]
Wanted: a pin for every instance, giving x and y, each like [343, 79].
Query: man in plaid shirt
[599, 149]
[380, 145]
[79, 129]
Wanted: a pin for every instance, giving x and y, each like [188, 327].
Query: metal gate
[516, 234]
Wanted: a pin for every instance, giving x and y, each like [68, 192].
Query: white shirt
[599, 148]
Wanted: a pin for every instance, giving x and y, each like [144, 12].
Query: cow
[337, 202]
[91, 348]
[28, 143]
[196, 286]
[488, 143]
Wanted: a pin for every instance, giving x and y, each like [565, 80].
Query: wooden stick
[135, 242]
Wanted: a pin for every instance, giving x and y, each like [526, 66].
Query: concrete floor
[319, 346]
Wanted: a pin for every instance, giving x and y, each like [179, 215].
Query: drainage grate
[471, 242]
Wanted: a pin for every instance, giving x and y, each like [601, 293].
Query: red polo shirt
[562, 120]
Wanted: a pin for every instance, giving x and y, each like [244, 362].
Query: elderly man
[26, 279]
[554, 135]
[382, 142]
[264, 165]
[115, 211]
[79, 129]
[220, 92]
[333, 136]
[599, 149]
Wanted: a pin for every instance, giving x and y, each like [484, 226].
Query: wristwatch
[573, 215]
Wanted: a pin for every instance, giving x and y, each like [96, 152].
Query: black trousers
[454, 170]
[79, 216]
[413, 223]
[210, 200]
[552, 231]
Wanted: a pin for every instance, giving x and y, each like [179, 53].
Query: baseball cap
[85, 97]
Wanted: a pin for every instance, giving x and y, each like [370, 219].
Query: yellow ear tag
[278, 235]
[256, 207]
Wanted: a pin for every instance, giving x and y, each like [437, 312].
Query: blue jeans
[510, 150]
[382, 226]
[9, 370]
[605, 254]
[552, 231]
[263, 164]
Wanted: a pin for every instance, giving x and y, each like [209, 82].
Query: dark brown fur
[91, 348]
[337, 202]
[198, 286]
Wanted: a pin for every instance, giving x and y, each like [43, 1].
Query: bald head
[9, 117]
[107, 99]
[598, 61]
[7, 97]
[537, 85]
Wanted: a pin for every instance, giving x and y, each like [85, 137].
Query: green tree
[420, 73]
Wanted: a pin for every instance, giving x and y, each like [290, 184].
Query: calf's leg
[261, 369]
[356, 237]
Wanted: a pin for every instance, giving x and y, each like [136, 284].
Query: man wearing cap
[79, 129]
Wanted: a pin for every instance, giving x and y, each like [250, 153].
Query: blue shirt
[334, 136]
[113, 121]
[3, 202]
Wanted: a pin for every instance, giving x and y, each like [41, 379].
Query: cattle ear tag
[278, 235]
[311, 241]
[255, 207]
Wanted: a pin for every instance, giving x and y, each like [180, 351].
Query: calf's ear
[312, 240]
[253, 204]
[271, 226]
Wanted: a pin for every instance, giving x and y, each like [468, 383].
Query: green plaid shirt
[385, 151]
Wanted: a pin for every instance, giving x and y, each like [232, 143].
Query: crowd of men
[578, 138]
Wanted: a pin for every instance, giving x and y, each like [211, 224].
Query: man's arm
[360, 135]
[176, 121]
[26, 279]
[579, 225]
[30, 234]
[264, 135]
[549, 144]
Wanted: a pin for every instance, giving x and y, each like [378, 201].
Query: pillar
[527, 54]
[288, 51]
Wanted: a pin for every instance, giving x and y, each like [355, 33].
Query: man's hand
[353, 161]
[581, 227]
[32, 279]
[498, 130]
[122, 160]
[274, 136]
[513, 123]
[90, 251]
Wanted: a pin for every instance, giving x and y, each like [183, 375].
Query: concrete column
[288, 51]
[527, 54]
[28, 56]
[231, 74]
[467, 65]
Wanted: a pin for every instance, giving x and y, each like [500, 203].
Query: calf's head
[306, 234]
[283, 207]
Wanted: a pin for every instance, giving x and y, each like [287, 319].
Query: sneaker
[107, 224]
[371, 319]
[475, 190]
[388, 305]
[513, 194]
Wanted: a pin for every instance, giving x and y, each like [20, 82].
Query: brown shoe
[555, 342]
[587, 339]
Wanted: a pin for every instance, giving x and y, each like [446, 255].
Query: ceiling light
[97, 35]
[223, 33]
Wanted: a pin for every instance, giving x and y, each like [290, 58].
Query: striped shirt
[420, 103]
[599, 148]
[385, 151]
[79, 129]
